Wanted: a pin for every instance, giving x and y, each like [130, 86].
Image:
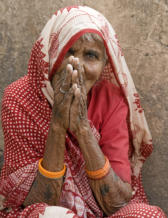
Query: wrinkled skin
[79, 71]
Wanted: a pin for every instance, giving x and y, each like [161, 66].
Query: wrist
[57, 128]
[84, 130]
[53, 158]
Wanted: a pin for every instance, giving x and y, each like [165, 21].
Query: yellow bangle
[49, 174]
[99, 174]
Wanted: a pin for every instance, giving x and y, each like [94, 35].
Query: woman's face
[91, 55]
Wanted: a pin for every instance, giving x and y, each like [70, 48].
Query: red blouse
[108, 111]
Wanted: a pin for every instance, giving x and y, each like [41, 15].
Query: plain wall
[142, 28]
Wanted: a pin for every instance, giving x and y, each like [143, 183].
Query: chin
[89, 86]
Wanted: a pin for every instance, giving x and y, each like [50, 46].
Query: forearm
[45, 189]
[53, 159]
[110, 191]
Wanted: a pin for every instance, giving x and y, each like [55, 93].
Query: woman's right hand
[63, 95]
[45, 189]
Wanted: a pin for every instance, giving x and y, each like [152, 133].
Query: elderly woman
[75, 133]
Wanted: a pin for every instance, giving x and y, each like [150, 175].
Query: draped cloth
[26, 114]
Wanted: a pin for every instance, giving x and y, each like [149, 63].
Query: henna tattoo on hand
[48, 194]
[35, 183]
[104, 189]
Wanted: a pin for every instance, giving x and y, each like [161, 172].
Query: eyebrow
[95, 51]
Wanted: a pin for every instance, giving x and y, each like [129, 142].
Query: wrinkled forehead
[90, 41]
[91, 37]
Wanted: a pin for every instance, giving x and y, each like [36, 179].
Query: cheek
[93, 71]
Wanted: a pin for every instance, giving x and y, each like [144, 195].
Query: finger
[82, 85]
[75, 78]
[83, 102]
[56, 83]
[66, 84]
[58, 98]
[67, 99]
[76, 101]
[69, 94]
[70, 59]
[79, 104]
[80, 70]
[76, 92]
[74, 87]
[63, 96]
[76, 63]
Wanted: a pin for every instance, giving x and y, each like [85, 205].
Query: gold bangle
[49, 174]
[99, 174]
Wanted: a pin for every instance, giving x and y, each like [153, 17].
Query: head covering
[26, 113]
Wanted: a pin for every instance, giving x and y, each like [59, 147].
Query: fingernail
[77, 91]
[74, 86]
[69, 67]
[76, 60]
[75, 72]
[70, 58]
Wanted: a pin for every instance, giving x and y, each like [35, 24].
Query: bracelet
[49, 174]
[99, 174]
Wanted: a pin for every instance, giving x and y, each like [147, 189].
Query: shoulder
[15, 93]
[107, 87]
[16, 88]
[105, 101]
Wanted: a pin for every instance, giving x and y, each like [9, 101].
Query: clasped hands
[70, 97]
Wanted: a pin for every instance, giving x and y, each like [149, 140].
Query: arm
[45, 189]
[110, 192]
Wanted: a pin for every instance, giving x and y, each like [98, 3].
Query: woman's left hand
[78, 109]
[110, 191]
